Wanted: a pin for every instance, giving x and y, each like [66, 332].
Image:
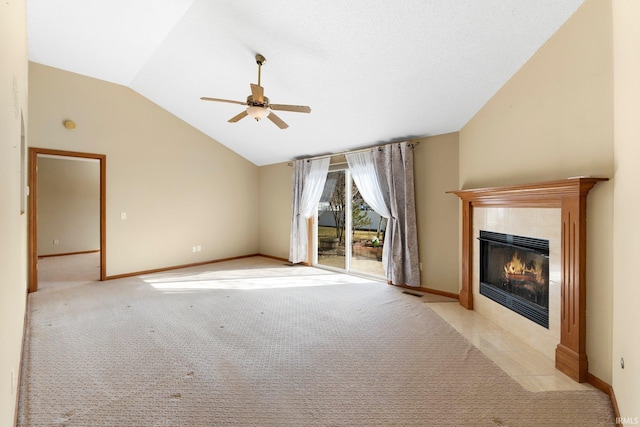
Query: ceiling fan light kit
[258, 105]
[258, 112]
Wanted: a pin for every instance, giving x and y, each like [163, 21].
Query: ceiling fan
[258, 105]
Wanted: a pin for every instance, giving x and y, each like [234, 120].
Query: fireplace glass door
[514, 272]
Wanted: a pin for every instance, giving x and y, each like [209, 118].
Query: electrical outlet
[56, 241]
[420, 266]
[194, 249]
[123, 215]
[199, 248]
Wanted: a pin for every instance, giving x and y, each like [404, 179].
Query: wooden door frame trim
[33, 206]
[571, 196]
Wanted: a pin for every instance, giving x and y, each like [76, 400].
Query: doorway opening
[348, 235]
[83, 235]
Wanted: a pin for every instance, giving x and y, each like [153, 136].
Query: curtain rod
[411, 145]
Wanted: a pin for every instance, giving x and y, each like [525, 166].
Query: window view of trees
[337, 203]
[367, 227]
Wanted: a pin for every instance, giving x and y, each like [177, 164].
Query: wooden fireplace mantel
[571, 196]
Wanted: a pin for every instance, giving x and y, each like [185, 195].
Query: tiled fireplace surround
[539, 223]
[556, 211]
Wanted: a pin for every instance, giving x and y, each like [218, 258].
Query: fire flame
[516, 266]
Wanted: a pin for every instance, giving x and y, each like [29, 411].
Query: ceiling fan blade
[257, 92]
[294, 108]
[204, 98]
[242, 115]
[278, 121]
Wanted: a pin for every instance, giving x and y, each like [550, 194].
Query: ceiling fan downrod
[260, 60]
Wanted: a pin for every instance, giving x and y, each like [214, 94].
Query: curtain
[309, 177]
[394, 168]
[364, 175]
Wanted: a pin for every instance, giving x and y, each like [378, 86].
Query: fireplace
[570, 195]
[514, 272]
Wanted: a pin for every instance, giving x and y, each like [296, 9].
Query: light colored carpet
[256, 343]
[68, 270]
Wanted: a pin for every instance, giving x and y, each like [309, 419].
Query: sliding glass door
[348, 233]
[367, 233]
[332, 222]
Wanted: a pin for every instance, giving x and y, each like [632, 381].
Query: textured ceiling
[372, 71]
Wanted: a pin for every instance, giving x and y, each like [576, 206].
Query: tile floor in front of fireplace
[532, 369]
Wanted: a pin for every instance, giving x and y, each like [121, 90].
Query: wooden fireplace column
[571, 196]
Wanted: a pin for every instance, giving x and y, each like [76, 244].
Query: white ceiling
[372, 71]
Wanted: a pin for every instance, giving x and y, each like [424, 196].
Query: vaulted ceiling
[372, 71]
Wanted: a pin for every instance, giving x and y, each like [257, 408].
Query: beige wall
[13, 225]
[554, 120]
[275, 209]
[626, 229]
[436, 172]
[178, 187]
[68, 205]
